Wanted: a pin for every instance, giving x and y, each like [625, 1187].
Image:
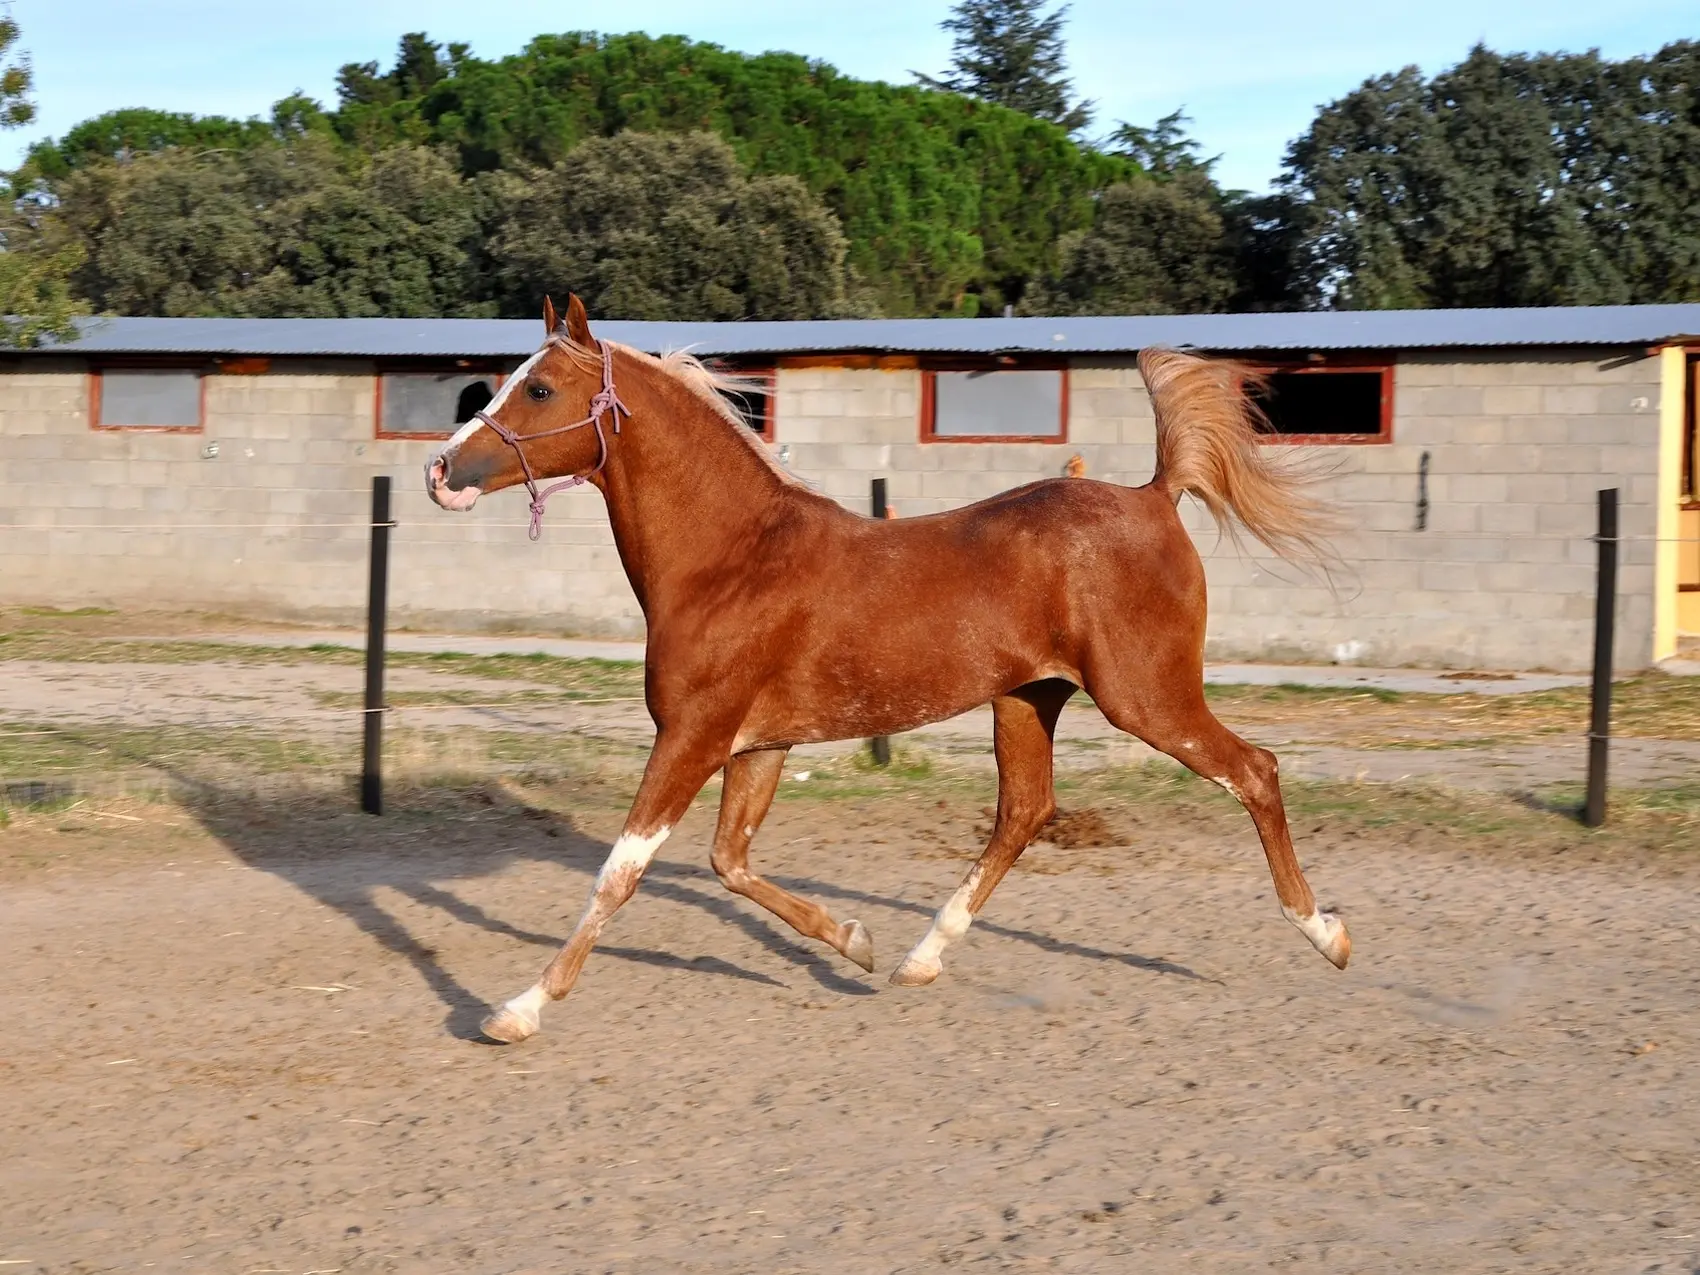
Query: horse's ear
[578, 322]
[551, 320]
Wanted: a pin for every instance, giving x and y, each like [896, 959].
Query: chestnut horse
[757, 592]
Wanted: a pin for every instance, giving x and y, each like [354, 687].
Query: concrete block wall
[1501, 577]
[274, 524]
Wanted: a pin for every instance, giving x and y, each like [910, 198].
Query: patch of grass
[587, 677]
[27, 752]
[349, 700]
[908, 762]
[1431, 745]
[914, 772]
[1660, 818]
[1296, 693]
[59, 613]
[1679, 803]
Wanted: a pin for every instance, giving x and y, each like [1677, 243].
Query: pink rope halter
[606, 400]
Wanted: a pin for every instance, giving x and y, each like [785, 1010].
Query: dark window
[1329, 404]
[473, 400]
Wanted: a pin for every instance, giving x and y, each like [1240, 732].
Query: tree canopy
[668, 225]
[1011, 52]
[662, 177]
[949, 204]
[36, 303]
[1508, 180]
[1154, 247]
[306, 230]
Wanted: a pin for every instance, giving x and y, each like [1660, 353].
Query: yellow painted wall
[1673, 389]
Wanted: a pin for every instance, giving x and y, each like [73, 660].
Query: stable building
[225, 465]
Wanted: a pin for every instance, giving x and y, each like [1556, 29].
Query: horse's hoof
[913, 973]
[1338, 948]
[858, 945]
[1327, 934]
[507, 1026]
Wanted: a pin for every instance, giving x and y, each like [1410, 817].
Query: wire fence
[535, 702]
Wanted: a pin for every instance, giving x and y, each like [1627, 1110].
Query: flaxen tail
[1207, 427]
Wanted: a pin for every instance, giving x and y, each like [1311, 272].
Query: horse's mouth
[445, 496]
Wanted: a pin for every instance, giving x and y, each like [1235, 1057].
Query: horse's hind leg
[1024, 721]
[751, 780]
[1176, 721]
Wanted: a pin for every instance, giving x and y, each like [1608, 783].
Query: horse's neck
[685, 493]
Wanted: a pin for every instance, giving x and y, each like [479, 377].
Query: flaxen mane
[701, 380]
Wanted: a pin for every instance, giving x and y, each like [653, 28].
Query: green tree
[1164, 149]
[1507, 180]
[36, 305]
[137, 131]
[16, 78]
[307, 229]
[1011, 52]
[1155, 247]
[1267, 236]
[950, 204]
[667, 226]
[420, 63]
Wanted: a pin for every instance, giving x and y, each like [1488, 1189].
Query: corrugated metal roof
[1628, 325]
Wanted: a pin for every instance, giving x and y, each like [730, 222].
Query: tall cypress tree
[1011, 52]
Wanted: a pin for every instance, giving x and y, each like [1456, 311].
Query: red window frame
[929, 398]
[1689, 496]
[98, 370]
[500, 369]
[1691, 435]
[1328, 367]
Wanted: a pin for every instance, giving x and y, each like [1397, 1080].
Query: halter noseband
[606, 400]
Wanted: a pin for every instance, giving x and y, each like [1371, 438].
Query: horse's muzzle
[437, 486]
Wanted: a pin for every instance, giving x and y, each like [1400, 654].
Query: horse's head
[553, 417]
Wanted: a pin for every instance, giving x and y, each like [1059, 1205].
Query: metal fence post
[371, 770]
[880, 746]
[1605, 623]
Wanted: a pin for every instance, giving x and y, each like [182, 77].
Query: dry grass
[1649, 706]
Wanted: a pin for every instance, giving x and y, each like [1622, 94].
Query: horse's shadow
[345, 863]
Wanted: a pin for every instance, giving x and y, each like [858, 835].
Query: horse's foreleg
[1024, 722]
[751, 780]
[678, 767]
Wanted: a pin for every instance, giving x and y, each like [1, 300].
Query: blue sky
[1249, 72]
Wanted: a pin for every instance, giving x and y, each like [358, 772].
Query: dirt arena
[241, 1039]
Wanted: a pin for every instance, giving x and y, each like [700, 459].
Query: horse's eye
[537, 393]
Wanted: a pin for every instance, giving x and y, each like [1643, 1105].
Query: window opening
[148, 398]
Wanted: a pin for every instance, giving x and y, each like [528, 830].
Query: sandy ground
[239, 1041]
[282, 698]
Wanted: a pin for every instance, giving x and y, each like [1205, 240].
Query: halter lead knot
[606, 401]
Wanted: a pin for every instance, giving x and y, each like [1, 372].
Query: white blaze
[467, 430]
